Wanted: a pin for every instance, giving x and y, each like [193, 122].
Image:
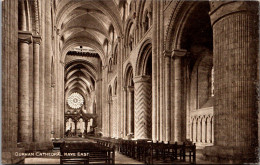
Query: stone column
[115, 117]
[110, 122]
[130, 91]
[154, 72]
[199, 130]
[36, 87]
[25, 38]
[235, 43]
[99, 101]
[203, 130]
[167, 55]
[124, 119]
[142, 111]
[177, 55]
[194, 131]
[209, 131]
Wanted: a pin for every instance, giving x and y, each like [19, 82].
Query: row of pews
[86, 152]
[151, 152]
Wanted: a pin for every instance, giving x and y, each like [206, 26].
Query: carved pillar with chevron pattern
[143, 108]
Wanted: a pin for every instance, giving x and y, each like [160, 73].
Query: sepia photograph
[130, 82]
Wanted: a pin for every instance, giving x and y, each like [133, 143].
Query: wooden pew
[153, 152]
[70, 155]
[160, 152]
[96, 153]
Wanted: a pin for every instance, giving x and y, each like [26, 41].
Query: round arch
[177, 22]
[128, 76]
[143, 55]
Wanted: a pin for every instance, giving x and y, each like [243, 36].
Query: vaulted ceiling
[86, 23]
[91, 23]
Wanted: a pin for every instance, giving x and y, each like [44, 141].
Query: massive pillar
[10, 83]
[24, 129]
[142, 112]
[36, 87]
[235, 39]
[177, 55]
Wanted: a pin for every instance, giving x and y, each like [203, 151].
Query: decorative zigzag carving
[143, 110]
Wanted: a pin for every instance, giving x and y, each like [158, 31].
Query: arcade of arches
[135, 69]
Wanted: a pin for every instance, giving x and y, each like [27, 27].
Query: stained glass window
[75, 100]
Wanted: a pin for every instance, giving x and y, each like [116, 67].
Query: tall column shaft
[10, 77]
[99, 101]
[42, 76]
[209, 131]
[177, 54]
[25, 38]
[142, 115]
[124, 120]
[154, 73]
[48, 55]
[235, 50]
[235, 53]
[115, 117]
[130, 109]
[36, 87]
[167, 55]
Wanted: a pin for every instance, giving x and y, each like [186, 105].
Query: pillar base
[36, 146]
[235, 155]
[8, 157]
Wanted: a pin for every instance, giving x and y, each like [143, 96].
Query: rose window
[75, 100]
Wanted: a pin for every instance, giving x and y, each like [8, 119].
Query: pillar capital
[37, 39]
[25, 37]
[143, 78]
[220, 9]
[179, 53]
